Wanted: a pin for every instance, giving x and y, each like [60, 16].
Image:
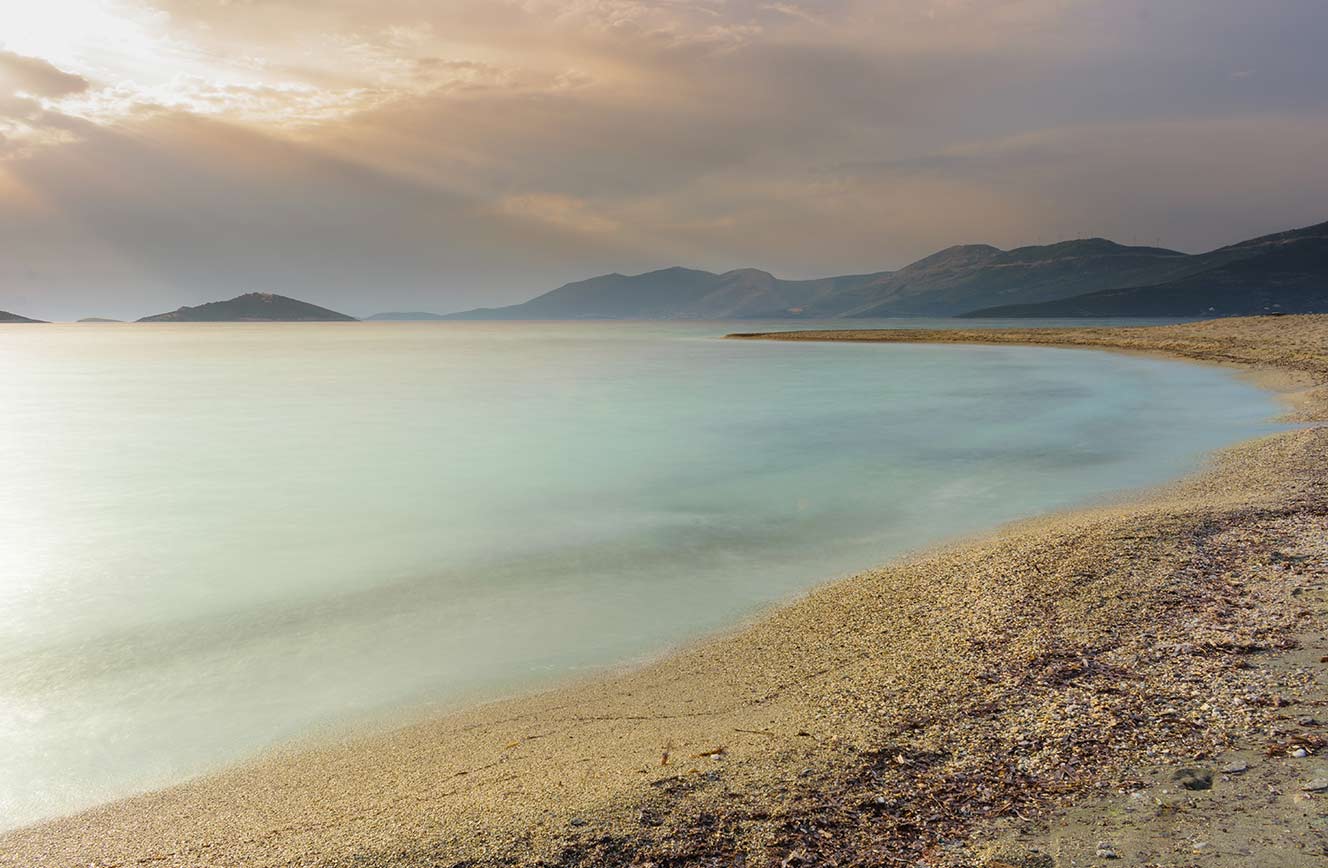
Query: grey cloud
[32, 75]
[182, 210]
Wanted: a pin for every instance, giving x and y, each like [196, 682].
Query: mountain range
[680, 293]
[1286, 272]
[1282, 273]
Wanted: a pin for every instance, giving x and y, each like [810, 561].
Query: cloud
[27, 85]
[37, 77]
[564, 211]
[1187, 182]
[181, 209]
[468, 152]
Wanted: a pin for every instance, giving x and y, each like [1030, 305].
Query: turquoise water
[218, 538]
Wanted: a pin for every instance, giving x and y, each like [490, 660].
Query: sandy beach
[1031, 698]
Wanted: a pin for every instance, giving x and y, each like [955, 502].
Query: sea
[221, 539]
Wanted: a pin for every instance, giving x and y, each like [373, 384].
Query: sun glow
[95, 38]
[135, 57]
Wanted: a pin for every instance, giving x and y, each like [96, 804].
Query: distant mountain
[405, 316]
[1275, 272]
[680, 293]
[1282, 273]
[99, 319]
[7, 317]
[253, 307]
[961, 278]
[947, 283]
[946, 267]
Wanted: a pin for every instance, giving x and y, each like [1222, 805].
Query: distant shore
[945, 709]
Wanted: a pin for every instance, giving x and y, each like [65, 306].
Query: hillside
[679, 293]
[252, 307]
[7, 317]
[957, 279]
[1253, 276]
[1282, 273]
[943, 284]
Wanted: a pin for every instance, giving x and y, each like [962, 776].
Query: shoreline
[899, 714]
[1262, 346]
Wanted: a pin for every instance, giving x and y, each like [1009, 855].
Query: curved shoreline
[892, 714]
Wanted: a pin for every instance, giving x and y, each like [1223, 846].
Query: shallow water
[217, 538]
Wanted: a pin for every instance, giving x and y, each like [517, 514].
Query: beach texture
[993, 703]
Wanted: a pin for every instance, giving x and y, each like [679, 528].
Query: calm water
[216, 538]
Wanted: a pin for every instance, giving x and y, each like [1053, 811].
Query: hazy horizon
[394, 155]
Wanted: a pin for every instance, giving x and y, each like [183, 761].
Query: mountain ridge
[1286, 272]
[961, 280]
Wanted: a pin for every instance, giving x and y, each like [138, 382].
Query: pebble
[578, 821]
[1318, 785]
[1106, 851]
[1194, 779]
[1239, 767]
[1300, 753]
[1308, 721]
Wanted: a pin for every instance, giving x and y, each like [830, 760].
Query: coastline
[896, 715]
[1286, 352]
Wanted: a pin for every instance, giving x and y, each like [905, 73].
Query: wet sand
[955, 708]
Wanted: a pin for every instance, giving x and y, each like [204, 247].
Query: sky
[374, 155]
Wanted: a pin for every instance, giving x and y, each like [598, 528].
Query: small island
[253, 307]
[7, 317]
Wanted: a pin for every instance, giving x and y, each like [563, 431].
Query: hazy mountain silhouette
[976, 279]
[252, 307]
[678, 293]
[6, 316]
[961, 278]
[1282, 273]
